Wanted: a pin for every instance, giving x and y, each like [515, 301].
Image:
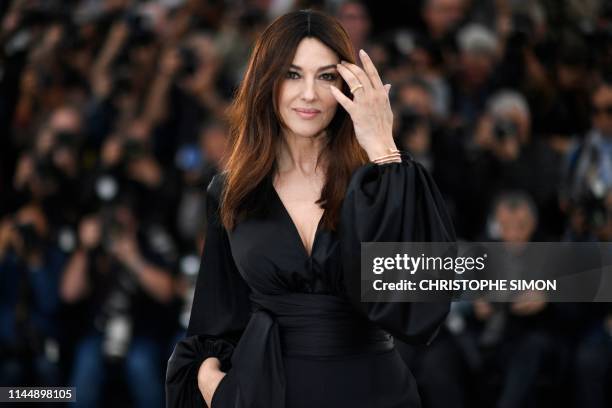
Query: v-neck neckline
[294, 228]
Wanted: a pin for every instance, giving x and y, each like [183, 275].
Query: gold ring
[356, 88]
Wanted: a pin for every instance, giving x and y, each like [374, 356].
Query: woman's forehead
[312, 55]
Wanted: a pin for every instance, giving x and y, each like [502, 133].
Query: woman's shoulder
[216, 185]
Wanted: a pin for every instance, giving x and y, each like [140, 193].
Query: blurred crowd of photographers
[112, 126]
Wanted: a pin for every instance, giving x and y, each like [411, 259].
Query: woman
[277, 319]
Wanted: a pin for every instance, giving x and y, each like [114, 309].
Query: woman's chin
[307, 133]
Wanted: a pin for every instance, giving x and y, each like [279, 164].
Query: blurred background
[111, 116]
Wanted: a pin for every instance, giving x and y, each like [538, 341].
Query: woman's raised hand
[370, 108]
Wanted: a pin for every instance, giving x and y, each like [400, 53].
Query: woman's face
[306, 103]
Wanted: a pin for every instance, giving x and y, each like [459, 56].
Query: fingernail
[362, 52]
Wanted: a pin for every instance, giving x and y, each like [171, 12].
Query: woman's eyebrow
[320, 69]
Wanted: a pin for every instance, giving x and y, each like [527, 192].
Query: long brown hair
[255, 121]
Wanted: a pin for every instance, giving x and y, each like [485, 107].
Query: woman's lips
[307, 113]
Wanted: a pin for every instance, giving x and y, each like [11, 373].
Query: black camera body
[32, 241]
[134, 149]
[189, 62]
[410, 119]
[504, 129]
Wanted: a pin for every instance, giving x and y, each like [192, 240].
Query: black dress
[289, 328]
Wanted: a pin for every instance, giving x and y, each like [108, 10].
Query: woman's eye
[329, 76]
[326, 77]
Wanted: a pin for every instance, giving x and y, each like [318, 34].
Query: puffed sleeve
[220, 312]
[393, 202]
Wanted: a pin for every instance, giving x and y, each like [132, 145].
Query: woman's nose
[308, 90]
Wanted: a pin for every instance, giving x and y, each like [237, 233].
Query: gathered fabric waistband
[321, 326]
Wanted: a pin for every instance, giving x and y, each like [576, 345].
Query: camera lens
[504, 128]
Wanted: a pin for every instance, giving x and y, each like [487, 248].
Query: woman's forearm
[74, 280]
[156, 281]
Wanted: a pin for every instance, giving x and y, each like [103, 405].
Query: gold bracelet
[392, 153]
[390, 160]
[387, 156]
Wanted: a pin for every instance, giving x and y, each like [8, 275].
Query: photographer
[504, 155]
[587, 195]
[474, 79]
[524, 343]
[127, 288]
[438, 147]
[588, 201]
[188, 90]
[48, 172]
[30, 268]
[128, 166]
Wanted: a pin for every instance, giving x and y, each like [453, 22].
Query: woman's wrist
[391, 155]
[382, 153]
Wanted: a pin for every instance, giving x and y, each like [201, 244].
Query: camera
[189, 62]
[504, 129]
[43, 13]
[410, 119]
[134, 149]
[140, 27]
[112, 228]
[47, 173]
[592, 202]
[64, 138]
[30, 238]
[122, 82]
